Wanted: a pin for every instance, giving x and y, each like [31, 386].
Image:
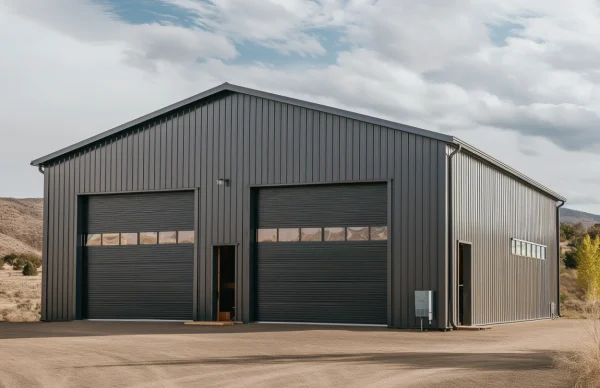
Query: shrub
[29, 269]
[570, 259]
[33, 259]
[9, 259]
[19, 261]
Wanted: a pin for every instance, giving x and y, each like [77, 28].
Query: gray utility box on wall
[424, 305]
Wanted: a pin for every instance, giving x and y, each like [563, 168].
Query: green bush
[19, 261]
[570, 259]
[29, 269]
[9, 259]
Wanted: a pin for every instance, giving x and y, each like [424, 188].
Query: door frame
[78, 244]
[250, 194]
[468, 307]
[216, 283]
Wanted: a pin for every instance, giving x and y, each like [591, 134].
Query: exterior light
[223, 182]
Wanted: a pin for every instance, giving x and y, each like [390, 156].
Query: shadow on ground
[538, 360]
[10, 330]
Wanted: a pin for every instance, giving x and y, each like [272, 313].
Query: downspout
[451, 240]
[558, 257]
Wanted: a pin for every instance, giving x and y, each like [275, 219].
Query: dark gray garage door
[321, 254]
[139, 256]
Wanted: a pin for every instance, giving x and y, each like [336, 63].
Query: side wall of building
[489, 208]
[253, 142]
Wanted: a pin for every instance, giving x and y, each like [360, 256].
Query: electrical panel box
[424, 305]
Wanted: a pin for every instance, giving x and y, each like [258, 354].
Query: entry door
[465, 296]
[321, 254]
[139, 256]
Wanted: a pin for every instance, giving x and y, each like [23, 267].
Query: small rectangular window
[148, 238]
[93, 240]
[357, 233]
[185, 237]
[266, 235]
[528, 249]
[110, 239]
[379, 233]
[334, 234]
[543, 253]
[514, 247]
[311, 234]
[289, 234]
[129, 238]
[167, 237]
[538, 251]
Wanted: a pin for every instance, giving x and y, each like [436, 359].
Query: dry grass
[583, 364]
[20, 296]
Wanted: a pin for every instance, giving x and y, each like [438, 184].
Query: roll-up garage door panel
[323, 205]
[336, 282]
[139, 281]
[140, 212]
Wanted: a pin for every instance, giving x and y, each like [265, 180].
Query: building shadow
[10, 330]
[513, 361]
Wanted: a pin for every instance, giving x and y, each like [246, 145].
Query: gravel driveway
[140, 354]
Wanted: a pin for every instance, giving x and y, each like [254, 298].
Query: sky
[518, 79]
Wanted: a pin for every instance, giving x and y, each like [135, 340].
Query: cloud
[284, 26]
[151, 43]
[75, 68]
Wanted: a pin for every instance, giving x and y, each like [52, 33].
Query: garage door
[321, 254]
[139, 256]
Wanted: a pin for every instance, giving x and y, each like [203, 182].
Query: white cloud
[67, 75]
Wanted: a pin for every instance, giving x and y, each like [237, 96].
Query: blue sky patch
[499, 33]
[150, 11]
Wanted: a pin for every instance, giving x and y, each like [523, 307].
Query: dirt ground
[19, 295]
[144, 354]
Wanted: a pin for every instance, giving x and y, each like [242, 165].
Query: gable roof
[227, 87]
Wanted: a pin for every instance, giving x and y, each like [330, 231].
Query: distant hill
[21, 225]
[570, 216]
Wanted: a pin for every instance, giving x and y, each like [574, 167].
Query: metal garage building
[237, 204]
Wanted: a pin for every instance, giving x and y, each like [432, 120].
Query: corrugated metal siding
[490, 208]
[254, 141]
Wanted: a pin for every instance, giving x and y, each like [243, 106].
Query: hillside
[570, 216]
[21, 225]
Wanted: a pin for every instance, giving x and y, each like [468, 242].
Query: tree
[588, 265]
[567, 232]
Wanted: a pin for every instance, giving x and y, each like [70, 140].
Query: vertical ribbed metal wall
[490, 208]
[255, 141]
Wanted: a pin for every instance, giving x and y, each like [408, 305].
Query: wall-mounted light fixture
[223, 182]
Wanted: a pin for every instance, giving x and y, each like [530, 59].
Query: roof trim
[305, 104]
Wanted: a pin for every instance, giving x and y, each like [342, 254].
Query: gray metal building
[237, 204]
